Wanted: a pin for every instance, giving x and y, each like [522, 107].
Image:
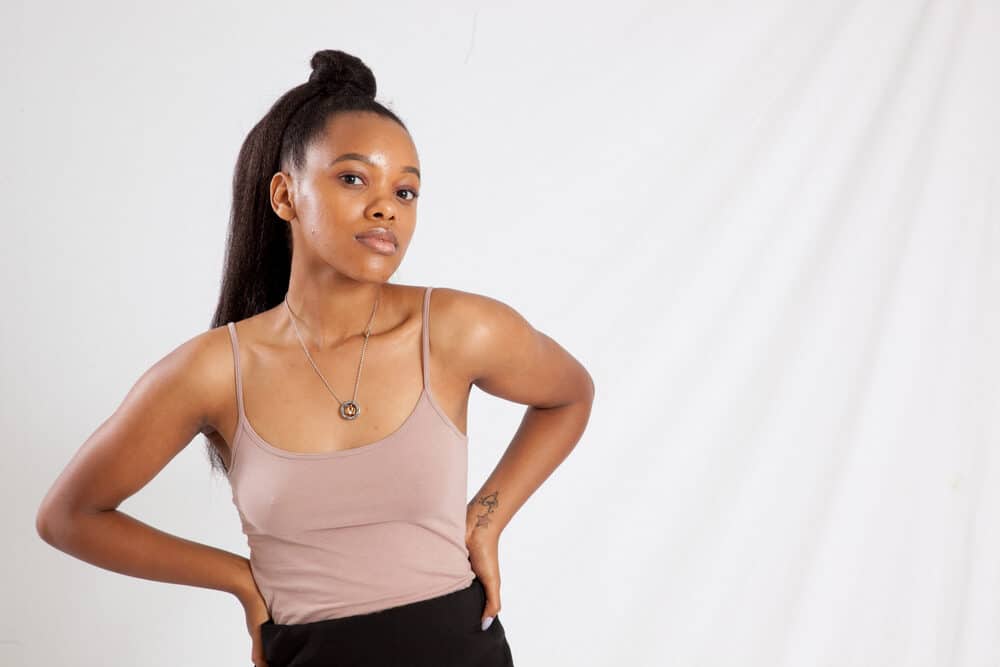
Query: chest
[416, 472]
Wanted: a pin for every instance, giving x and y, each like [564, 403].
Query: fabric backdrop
[768, 229]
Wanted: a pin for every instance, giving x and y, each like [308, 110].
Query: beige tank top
[354, 531]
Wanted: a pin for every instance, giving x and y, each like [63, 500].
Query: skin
[474, 340]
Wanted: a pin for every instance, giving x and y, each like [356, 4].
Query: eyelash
[414, 192]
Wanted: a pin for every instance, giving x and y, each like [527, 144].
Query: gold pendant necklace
[348, 409]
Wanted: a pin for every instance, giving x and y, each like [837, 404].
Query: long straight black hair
[258, 258]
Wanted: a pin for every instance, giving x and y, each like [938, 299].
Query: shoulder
[471, 313]
[495, 347]
[475, 330]
[201, 372]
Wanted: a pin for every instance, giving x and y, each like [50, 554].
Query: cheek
[323, 221]
[332, 239]
[320, 206]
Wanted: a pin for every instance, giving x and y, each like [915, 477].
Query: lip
[383, 233]
[377, 243]
[379, 239]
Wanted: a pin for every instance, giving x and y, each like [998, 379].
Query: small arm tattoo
[490, 503]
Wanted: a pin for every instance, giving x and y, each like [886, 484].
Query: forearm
[118, 542]
[544, 439]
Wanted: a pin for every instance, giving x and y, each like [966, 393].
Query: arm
[171, 402]
[498, 351]
[502, 354]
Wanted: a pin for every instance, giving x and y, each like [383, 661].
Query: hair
[258, 257]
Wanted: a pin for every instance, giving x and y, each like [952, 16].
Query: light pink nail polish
[487, 622]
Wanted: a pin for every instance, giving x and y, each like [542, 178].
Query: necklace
[348, 409]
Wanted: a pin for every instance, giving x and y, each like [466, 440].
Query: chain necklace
[348, 409]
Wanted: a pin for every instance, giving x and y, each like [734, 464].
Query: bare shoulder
[207, 361]
[501, 352]
[195, 378]
[467, 322]
[467, 311]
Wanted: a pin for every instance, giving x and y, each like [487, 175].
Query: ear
[282, 200]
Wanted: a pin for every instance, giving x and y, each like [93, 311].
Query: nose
[382, 209]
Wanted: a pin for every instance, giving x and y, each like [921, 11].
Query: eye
[413, 193]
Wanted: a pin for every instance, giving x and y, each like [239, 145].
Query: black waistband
[437, 632]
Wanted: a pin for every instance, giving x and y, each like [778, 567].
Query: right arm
[179, 397]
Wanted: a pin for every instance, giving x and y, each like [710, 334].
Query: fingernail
[487, 622]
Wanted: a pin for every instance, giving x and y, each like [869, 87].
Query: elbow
[51, 523]
[45, 526]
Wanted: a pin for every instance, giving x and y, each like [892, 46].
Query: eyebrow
[364, 158]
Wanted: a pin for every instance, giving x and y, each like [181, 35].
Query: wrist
[244, 587]
[478, 529]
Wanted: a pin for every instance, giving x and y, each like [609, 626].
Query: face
[359, 175]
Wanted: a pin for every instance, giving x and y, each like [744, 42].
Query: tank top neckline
[244, 425]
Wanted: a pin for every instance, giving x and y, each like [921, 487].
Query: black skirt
[444, 631]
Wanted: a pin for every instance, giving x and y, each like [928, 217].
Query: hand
[483, 556]
[256, 613]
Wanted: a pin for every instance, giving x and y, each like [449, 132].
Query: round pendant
[349, 410]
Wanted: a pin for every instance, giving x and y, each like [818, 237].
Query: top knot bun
[343, 72]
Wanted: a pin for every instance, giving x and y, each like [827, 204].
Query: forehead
[382, 139]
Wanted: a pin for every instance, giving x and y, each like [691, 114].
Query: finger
[492, 606]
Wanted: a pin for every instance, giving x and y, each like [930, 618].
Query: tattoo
[490, 503]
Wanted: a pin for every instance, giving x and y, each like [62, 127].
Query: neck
[327, 317]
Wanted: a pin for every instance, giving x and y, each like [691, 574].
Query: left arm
[505, 356]
[524, 365]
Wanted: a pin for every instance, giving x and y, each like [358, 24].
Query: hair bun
[342, 72]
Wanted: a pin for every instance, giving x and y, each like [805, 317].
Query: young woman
[335, 403]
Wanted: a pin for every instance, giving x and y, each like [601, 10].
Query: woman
[335, 403]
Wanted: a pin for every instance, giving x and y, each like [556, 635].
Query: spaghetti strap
[425, 345]
[236, 365]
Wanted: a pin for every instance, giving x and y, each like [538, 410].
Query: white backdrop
[768, 229]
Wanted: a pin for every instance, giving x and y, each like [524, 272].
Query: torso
[287, 404]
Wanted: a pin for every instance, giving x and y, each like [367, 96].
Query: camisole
[353, 531]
